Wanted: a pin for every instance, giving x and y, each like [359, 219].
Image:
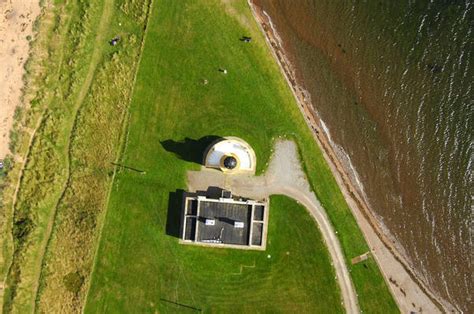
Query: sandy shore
[409, 291]
[16, 22]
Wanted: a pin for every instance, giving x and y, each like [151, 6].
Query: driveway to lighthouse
[284, 176]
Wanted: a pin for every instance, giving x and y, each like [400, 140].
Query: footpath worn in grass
[139, 267]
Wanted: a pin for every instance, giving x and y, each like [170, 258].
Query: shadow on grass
[184, 306]
[190, 149]
[175, 213]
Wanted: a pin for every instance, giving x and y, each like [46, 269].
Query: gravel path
[284, 176]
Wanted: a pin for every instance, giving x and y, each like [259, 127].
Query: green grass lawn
[139, 267]
[297, 276]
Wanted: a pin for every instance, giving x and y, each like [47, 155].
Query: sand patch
[16, 23]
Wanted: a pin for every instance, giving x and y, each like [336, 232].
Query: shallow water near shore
[392, 82]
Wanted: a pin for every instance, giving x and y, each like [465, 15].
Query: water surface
[393, 83]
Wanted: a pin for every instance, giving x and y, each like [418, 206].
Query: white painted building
[231, 154]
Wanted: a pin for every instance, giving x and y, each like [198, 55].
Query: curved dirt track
[284, 176]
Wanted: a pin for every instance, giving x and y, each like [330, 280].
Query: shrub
[73, 282]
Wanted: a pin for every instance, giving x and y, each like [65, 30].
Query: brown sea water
[393, 83]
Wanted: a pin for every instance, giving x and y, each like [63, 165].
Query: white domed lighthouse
[231, 155]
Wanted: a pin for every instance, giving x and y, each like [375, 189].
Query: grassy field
[296, 277]
[79, 88]
[138, 267]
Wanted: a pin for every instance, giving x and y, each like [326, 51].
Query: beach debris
[114, 41]
[223, 70]
[1, 165]
[246, 39]
[205, 82]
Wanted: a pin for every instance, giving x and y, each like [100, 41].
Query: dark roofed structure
[224, 221]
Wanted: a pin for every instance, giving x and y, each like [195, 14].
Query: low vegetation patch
[73, 282]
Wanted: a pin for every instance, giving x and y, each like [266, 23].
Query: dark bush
[22, 228]
[73, 282]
